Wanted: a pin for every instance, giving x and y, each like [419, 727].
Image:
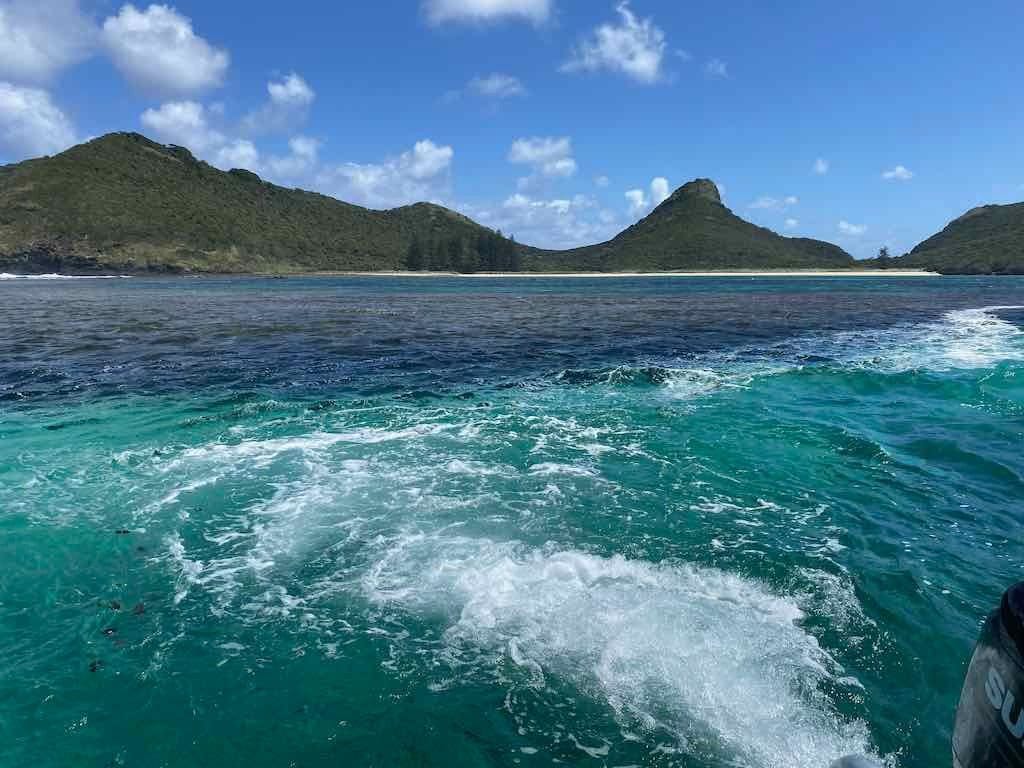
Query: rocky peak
[697, 189]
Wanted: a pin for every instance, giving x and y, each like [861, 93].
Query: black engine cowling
[989, 728]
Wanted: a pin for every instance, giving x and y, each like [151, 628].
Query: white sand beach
[541, 275]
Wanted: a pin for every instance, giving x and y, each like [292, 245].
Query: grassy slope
[984, 240]
[128, 202]
[123, 202]
[692, 230]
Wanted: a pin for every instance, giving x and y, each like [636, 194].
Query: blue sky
[560, 121]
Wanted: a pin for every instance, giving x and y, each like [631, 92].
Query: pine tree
[439, 257]
[414, 256]
[515, 258]
[455, 254]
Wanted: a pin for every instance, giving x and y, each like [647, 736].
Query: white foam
[964, 339]
[979, 338]
[673, 648]
[478, 468]
[260, 453]
[553, 468]
[55, 276]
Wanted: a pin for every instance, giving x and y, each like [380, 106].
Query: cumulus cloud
[239, 153]
[791, 224]
[301, 160]
[441, 11]
[633, 47]
[185, 123]
[550, 223]
[40, 38]
[31, 124]
[821, 166]
[602, 181]
[852, 230]
[899, 173]
[547, 156]
[291, 92]
[774, 203]
[497, 86]
[299, 163]
[640, 202]
[419, 174]
[157, 50]
[288, 102]
[716, 68]
[189, 124]
[659, 190]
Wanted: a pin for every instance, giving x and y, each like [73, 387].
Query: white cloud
[634, 47]
[188, 123]
[440, 11]
[419, 174]
[821, 166]
[301, 160]
[291, 92]
[184, 123]
[659, 190]
[716, 68]
[774, 203]
[852, 230]
[602, 182]
[497, 86]
[240, 153]
[550, 223]
[899, 173]
[39, 38]
[31, 124]
[287, 106]
[791, 223]
[640, 202]
[548, 156]
[157, 50]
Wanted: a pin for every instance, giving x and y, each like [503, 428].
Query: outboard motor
[989, 728]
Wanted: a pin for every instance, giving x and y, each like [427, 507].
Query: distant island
[125, 204]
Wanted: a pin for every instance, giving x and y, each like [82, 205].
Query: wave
[712, 660]
[56, 276]
[693, 659]
[968, 339]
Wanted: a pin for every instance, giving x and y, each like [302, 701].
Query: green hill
[125, 203]
[693, 230]
[985, 240]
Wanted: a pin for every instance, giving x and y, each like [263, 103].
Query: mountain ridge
[125, 203]
[987, 239]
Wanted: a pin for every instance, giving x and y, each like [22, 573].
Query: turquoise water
[497, 523]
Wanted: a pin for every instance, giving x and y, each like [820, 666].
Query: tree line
[488, 252]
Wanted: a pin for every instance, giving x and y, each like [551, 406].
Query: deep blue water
[481, 522]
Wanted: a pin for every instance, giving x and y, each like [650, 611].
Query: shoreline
[765, 273]
[561, 275]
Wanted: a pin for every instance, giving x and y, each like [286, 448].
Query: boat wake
[711, 663]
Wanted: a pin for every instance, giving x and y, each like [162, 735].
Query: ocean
[501, 522]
